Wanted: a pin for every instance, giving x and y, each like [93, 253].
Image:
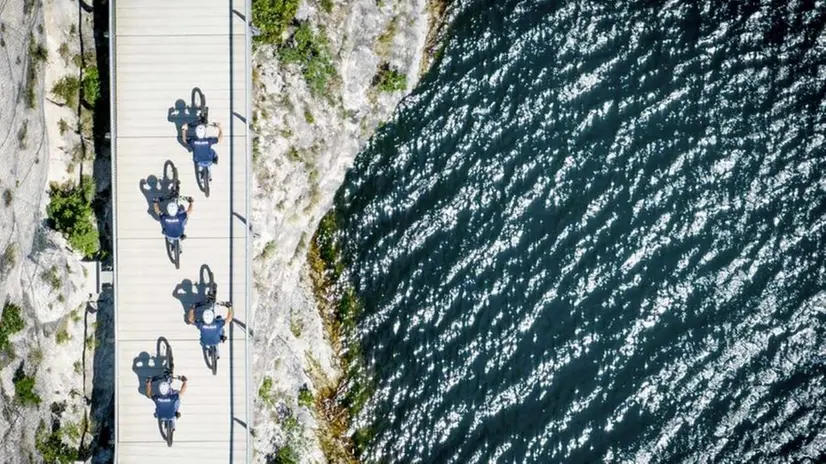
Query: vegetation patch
[51, 277]
[10, 323]
[284, 455]
[62, 336]
[37, 55]
[24, 388]
[272, 17]
[9, 258]
[67, 90]
[265, 390]
[295, 327]
[23, 135]
[269, 250]
[340, 309]
[62, 126]
[305, 397]
[70, 213]
[389, 80]
[385, 40]
[63, 51]
[289, 451]
[310, 51]
[52, 448]
[91, 85]
[308, 116]
[327, 6]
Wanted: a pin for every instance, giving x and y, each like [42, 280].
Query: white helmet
[208, 316]
[172, 208]
[200, 131]
[164, 388]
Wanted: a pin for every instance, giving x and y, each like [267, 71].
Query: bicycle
[173, 244]
[166, 425]
[211, 351]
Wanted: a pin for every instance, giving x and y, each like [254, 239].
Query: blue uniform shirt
[173, 226]
[166, 406]
[211, 333]
[202, 149]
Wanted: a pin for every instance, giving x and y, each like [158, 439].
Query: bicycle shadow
[152, 187]
[191, 294]
[145, 365]
[180, 113]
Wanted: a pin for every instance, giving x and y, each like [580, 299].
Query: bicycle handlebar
[165, 376]
[172, 197]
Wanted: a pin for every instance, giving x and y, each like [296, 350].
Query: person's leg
[174, 419]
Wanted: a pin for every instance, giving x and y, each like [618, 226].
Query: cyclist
[201, 145]
[173, 220]
[167, 400]
[211, 326]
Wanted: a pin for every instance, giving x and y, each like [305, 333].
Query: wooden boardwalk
[161, 52]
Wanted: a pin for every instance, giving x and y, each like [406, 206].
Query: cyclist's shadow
[146, 365]
[191, 293]
[181, 113]
[152, 187]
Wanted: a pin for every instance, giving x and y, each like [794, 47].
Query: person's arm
[149, 388]
[190, 316]
[220, 132]
[157, 208]
[183, 387]
[189, 206]
[229, 315]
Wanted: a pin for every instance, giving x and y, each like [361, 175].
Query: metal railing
[114, 162]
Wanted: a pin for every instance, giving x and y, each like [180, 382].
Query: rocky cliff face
[306, 142]
[48, 333]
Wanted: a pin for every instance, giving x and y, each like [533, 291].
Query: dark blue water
[596, 233]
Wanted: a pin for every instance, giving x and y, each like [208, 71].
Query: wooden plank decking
[161, 50]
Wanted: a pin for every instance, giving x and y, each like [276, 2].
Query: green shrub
[311, 52]
[273, 17]
[327, 5]
[389, 79]
[63, 51]
[361, 438]
[62, 126]
[266, 387]
[62, 336]
[67, 89]
[51, 277]
[305, 397]
[9, 258]
[10, 324]
[24, 391]
[70, 211]
[52, 448]
[91, 85]
[23, 134]
[38, 51]
[285, 455]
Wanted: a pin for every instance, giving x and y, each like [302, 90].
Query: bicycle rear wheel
[176, 245]
[205, 180]
[169, 432]
[213, 355]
